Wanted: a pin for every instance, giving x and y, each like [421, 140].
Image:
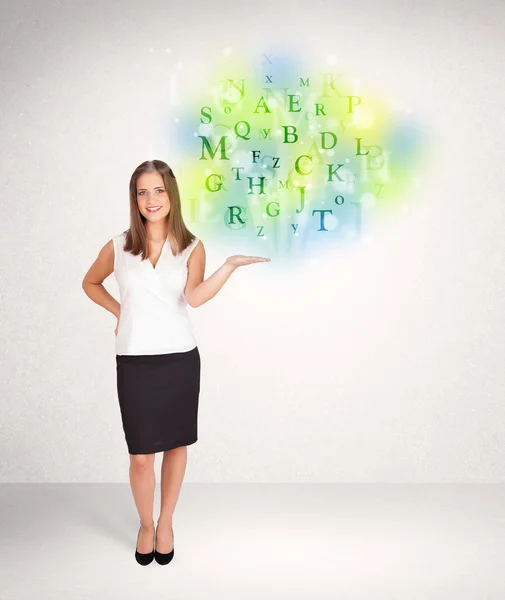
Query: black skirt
[158, 398]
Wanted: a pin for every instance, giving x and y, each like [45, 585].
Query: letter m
[212, 153]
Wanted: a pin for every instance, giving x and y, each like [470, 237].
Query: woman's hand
[239, 260]
[117, 324]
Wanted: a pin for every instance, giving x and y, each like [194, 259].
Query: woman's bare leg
[173, 468]
[143, 483]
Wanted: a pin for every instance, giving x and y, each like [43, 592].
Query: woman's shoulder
[120, 236]
[191, 245]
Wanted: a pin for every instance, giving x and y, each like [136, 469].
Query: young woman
[159, 266]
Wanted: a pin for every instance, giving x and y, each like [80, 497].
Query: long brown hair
[136, 237]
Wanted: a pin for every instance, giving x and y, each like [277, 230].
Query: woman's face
[152, 197]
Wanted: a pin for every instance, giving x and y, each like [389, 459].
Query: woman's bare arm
[197, 290]
[92, 283]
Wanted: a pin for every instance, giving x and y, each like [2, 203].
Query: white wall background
[383, 364]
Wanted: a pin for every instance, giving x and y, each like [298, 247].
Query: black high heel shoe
[144, 559]
[164, 559]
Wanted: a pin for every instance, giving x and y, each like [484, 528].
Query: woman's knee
[142, 461]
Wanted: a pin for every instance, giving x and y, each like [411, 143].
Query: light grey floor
[258, 541]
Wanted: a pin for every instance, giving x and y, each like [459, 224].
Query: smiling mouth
[153, 209]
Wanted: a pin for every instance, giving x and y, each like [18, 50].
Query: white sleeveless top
[154, 317]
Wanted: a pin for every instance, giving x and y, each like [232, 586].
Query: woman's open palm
[239, 260]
